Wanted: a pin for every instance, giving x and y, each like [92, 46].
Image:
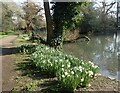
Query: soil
[8, 66]
[102, 83]
[13, 79]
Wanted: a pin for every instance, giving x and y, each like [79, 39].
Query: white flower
[63, 76]
[47, 48]
[82, 79]
[68, 65]
[75, 68]
[55, 60]
[49, 61]
[80, 67]
[51, 64]
[90, 73]
[91, 63]
[43, 61]
[67, 60]
[80, 70]
[82, 63]
[95, 66]
[66, 73]
[77, 76]
[62, 65]
[60, 60]
[26, 38]
[82, 60]
[89, 85]
[62, 69]
[72, 72]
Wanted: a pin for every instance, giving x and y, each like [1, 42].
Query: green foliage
[31, 86]
[69, 70]
[95, 19]
[6, 17]
[66, 15]
[69, 14]
[33, 15]
[27, 49]
[2, 34]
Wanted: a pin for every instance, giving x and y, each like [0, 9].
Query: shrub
[27, 48]
[69, 70]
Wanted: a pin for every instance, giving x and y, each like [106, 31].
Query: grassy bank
[69, 71]
[31, 78]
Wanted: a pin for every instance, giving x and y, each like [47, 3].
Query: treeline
[26, 17]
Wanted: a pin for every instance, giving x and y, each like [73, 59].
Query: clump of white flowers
[70, 71]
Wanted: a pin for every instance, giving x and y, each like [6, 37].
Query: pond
[102, 49]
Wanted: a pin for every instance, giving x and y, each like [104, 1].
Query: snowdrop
[68, 65]
[62, 65]
[62, 69]
[77, 76]
[95, 66]
[43, 61]
[72, 72]
[67, 68]
[90, 73]
[63, 76]
[47, 48]
[91, 63]
[82, 79]
[60, 60]
[66, 73]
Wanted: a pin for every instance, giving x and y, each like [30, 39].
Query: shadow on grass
[9, 51]
[28, 69]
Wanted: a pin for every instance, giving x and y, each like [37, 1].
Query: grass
[2, 34]
[9, 32]
[22, 39]
[29, 70]
[30, 78]
[70, 71]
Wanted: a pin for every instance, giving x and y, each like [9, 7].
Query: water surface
[102, 49]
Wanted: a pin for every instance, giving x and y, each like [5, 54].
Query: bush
[69, 70]
[27, 48]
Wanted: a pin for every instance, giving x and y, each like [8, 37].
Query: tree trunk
[48, 21]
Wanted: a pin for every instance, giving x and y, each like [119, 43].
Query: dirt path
[7, 41]
[8, 73]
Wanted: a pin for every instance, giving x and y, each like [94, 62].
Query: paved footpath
[7, 66]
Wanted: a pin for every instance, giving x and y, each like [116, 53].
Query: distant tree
[91, 19]
[105, 11]
[97, 18]
[32, 12]
[6, 17]
[21, 24]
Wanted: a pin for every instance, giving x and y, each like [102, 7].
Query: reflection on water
[103, 50]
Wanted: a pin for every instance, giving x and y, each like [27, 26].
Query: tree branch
[111, 5]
